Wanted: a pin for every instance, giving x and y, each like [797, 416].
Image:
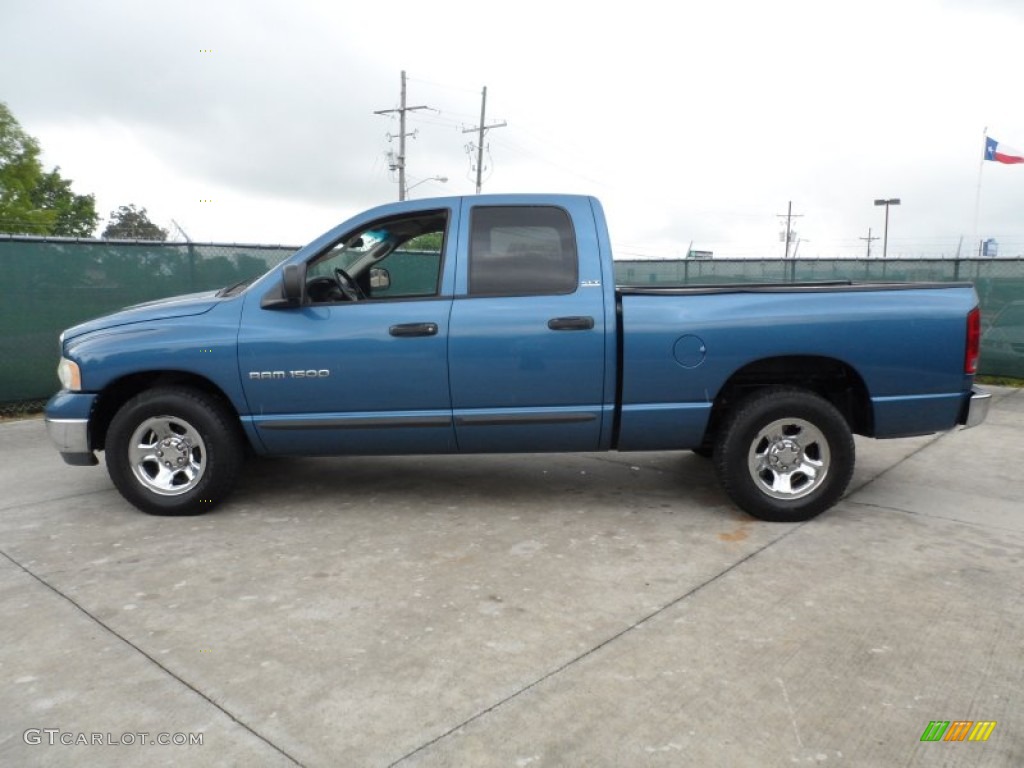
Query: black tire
[195, 438]
[785, 455]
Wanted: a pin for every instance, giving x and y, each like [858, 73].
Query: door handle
[574, 323]
[413, 329]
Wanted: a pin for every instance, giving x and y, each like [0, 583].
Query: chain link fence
[49, 284]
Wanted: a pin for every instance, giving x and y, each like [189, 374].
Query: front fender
[203, 345]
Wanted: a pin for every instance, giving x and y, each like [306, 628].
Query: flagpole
[977, 192]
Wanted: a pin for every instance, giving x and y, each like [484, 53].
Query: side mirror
[293, 283]
[380, 279]
[293, 289]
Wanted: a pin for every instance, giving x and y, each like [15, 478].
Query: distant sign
[700, 254]
[990, 248]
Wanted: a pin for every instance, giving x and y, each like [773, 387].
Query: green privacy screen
[47, 285]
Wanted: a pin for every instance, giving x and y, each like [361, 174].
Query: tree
[74, 215]
[34, 202]
[20, 171]
[431, 241]
[131, 223]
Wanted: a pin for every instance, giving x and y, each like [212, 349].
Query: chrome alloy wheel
[788, 459]
[167, 455]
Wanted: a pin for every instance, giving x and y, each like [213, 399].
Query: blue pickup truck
[492, 324]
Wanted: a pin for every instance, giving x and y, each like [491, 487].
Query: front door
[361, 365]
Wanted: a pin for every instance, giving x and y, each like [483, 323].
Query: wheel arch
[121, 390]
[833, 379]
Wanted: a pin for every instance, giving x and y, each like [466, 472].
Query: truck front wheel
[785, 455]
[173, 451]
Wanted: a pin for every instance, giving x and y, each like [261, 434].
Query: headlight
[69, 374]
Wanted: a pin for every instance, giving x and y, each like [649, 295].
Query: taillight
[973, 341]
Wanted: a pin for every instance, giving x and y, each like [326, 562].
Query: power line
[531, 155]
[442, 85]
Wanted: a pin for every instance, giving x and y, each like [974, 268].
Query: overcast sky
[692, 121]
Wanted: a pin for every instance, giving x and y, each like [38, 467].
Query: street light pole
[885, 234]
[441, 179]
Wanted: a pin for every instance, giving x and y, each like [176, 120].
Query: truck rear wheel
[785, 455]
[173, 451]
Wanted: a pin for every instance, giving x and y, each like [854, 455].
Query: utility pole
[482, 128]
[789, 216]
[869, 238]
[399, 163]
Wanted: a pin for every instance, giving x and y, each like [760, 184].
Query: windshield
[235, 288]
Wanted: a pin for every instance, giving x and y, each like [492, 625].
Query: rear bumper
[975, 408]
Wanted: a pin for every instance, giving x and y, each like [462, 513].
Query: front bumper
[71, 436]
[67, 423]
[975, 409]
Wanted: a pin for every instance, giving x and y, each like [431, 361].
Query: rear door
[527, 335]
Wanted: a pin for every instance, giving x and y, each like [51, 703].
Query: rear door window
[522, 251]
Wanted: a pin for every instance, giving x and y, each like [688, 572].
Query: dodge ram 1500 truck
[493, 324]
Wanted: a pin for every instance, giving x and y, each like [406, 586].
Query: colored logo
[958, 730]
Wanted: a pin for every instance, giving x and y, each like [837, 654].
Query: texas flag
[1001, 153]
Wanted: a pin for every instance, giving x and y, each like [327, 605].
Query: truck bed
[682, 344]
[829, 286]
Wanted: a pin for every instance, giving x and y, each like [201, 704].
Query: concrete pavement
[599, 610]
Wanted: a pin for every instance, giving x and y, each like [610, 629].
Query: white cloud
[692, 121]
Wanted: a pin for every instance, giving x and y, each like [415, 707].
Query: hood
[176, 306]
